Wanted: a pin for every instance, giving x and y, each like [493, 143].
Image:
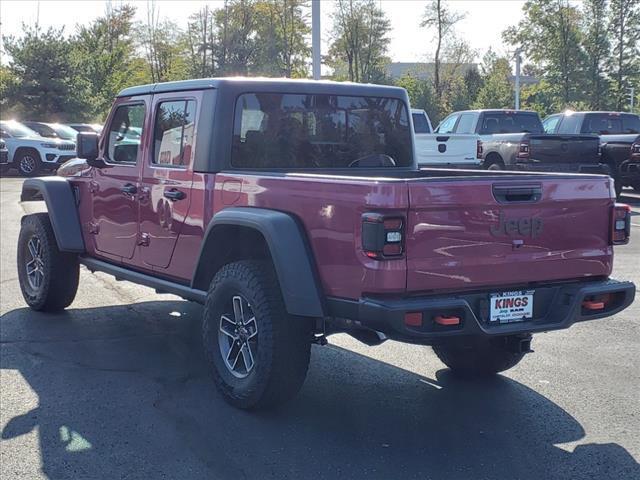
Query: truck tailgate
[446, 149]
[474, 233]
[559, 149]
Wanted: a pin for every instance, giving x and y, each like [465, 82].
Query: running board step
[160, 285]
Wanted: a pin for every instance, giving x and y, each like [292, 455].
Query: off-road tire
[19, 162]
[478, 358]
[60, 270]
[283, 340]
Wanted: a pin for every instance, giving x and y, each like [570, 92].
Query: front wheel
[28, 163]
[258, 353]
[48, 277]
[481, 357]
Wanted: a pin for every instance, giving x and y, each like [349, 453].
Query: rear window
[610, 123]
[320, 131]
[510, 122]
[420, 124]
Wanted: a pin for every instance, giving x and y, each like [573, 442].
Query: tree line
[583, 56]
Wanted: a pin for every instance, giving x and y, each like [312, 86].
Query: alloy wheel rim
[28, 164]
[237, 338]
[35, 266]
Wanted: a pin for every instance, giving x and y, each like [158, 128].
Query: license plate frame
[511, 307]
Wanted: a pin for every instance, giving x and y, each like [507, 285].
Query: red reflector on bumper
[591, 305]
[447, 320]
[413, 319]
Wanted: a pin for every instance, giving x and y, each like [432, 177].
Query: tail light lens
[382, 236]
[523, 150]
[635, 151]
[621, 224]
[479, 151]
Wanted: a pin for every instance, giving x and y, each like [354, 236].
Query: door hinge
[94, 228]
[144, 239]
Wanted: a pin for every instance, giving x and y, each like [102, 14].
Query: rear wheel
[494, 164]
[258, 353]
[481, 357]
[48, 277]
[28, 163]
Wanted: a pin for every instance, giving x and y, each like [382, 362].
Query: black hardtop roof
[276, 85]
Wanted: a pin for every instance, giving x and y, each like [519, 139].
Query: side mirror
[87, 149]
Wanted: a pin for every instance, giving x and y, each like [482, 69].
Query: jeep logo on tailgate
[523, 226]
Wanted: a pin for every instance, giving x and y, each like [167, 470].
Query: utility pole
[518, 60]
[315, 37]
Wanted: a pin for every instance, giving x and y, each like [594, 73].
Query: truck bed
[449, 218]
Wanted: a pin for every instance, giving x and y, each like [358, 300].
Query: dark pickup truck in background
[619, 135]
[515, 140]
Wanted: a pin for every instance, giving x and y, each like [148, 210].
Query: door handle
[174, 194]
[129, 189]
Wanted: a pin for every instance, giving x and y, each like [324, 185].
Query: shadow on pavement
[122, 392]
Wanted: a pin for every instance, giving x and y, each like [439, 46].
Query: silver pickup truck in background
[441, 149]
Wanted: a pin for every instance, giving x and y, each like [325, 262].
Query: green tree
[359, 41]
[164, 45]
[45, 84]
[282, 27]
[496, 91]
[439, 18]
[200, 41]
[104, 55]
[596, 47]
[420, 94]
[235, 44]
[550, 35]
[624, 65]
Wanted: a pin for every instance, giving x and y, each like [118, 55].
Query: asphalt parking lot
[115, 388]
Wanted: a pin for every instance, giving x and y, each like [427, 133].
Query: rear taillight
[523, 150]
[621, 224]
[382, 236]
[479, 149]
[635, 151]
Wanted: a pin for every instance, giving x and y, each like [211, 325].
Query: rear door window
[420, 123]
[298, 131]
[610, 123]
[125, 134]
[465, 124]
[173, 133]
[510, 122]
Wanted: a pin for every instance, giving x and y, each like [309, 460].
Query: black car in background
[52, 130]
[619, 134]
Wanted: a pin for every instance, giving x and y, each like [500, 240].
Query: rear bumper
[556, 306]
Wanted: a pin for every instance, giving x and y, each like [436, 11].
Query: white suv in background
[30, 153]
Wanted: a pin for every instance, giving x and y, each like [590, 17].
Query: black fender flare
[58, 195]
[291, 254]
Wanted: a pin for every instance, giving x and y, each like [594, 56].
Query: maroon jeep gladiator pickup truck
[293, 210]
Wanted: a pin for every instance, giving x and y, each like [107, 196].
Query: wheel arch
[245, 232]
[493, 157]
[57, 193]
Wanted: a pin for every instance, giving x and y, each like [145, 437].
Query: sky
[482, 26]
